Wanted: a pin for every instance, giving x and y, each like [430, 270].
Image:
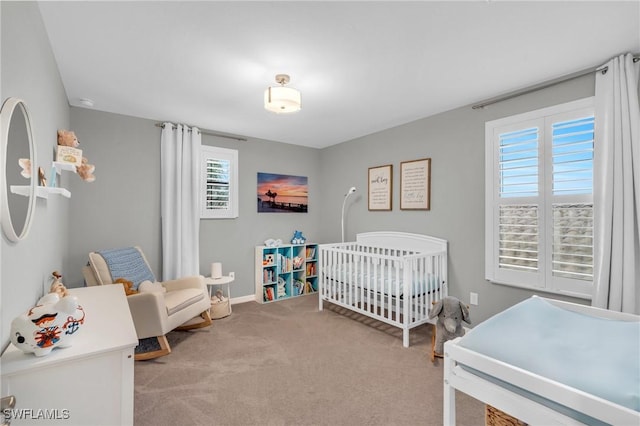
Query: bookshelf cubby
[285, 271]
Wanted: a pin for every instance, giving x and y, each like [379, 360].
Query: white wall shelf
[60, 165]
[41, 191]
[45, 191]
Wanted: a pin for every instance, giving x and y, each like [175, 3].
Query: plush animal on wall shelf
[68, 138]
[84, 170]
[451, 312]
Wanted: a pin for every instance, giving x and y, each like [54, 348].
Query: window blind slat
[518, 163]
[217, 184]
[572, 251]
[572, 147]
[518, 237]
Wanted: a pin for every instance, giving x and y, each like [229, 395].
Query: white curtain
[617, 187]
[180, 200]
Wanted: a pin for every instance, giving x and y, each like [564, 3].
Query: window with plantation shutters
[219, 183]
[539, 199]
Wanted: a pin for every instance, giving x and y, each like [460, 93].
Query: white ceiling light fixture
[281, 99]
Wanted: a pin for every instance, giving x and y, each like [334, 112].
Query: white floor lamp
[351, 191]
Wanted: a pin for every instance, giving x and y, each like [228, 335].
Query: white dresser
[89, 383]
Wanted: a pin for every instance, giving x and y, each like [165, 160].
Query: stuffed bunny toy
[451, 312]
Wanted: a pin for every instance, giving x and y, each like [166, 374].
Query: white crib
[393, 277]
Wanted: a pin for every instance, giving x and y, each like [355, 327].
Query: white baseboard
[243, 299]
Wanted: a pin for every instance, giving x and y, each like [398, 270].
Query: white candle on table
[216, 270]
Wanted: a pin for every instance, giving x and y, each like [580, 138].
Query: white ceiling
[361, 66]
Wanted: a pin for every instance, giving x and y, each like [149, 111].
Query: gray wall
[29, 71]
[121, 207]
[454, 141]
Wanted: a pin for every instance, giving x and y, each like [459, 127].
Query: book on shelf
[311, 268]
[311, 253]
[298, 286]
[308, 288]
[285, 264]
[268, 294]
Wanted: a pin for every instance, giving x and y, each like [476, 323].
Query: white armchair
[177, 304]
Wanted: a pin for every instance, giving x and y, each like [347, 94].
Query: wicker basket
[220, 308]
[495, 417]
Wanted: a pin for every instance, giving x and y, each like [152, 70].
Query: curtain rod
[210, 133]
[543, 85]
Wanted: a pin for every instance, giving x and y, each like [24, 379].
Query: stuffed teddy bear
[84, 170]
[128, 286]
[68, 138]
[451, 312]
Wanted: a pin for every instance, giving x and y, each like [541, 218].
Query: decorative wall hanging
[380, 187]
[282, 193]
[415, 184]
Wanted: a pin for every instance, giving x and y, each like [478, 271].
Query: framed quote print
[415, 184]
[380, 187]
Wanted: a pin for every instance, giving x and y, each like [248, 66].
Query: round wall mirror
[17, 195]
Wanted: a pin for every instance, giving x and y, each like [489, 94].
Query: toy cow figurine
[451, 312]
[52, 323]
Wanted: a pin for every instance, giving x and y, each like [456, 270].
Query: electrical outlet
[473, 298]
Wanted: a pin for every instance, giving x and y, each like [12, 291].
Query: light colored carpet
[287, 363]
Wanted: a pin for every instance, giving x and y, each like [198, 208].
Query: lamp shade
[281, 99]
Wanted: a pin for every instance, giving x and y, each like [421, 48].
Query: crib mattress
[386, 283]
[596, 355]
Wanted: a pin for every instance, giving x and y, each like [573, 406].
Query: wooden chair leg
[434, 354]
[433, 343]
[165, 349]
[190, 325]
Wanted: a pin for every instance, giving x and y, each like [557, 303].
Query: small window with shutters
[219, 183]
[539, 199]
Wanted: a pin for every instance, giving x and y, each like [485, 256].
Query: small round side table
[224, 280]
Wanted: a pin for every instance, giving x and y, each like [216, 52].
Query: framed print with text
[380, 187]
[415, 184]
